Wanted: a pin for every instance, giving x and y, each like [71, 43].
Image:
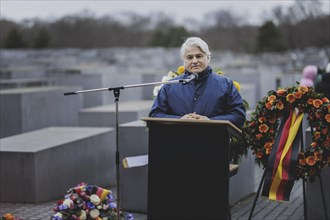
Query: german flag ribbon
[280, 170]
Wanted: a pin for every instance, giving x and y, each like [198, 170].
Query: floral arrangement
[260, 131]
[87, 202]
[237, 148]
[9, 216]
[170, 75]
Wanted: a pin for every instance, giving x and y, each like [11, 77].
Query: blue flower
[90, 205]
[129, 216]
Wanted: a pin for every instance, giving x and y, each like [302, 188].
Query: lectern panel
[188, 171]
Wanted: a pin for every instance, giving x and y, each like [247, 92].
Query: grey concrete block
[30, 82]
[105, 116]
[26, 109]
[42, 165]
[74, 77]
[133, 141]
[147, 92]
[248, 91]
[241, 184]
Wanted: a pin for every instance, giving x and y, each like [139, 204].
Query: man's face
[195, 60]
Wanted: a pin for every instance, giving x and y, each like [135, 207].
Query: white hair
[198, 42]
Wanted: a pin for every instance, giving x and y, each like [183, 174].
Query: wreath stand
[116, 92]
[303, 185]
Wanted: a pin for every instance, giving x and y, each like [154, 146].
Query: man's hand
[195, 116]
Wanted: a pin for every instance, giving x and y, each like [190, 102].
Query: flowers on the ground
[260, 131]
[8, 216]
[88, 202]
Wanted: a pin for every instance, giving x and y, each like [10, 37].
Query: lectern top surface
[187, 121]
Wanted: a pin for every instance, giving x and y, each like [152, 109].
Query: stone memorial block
[133, 141]
[26, 109]
[105, 116]
[42, 165]
[74, 77]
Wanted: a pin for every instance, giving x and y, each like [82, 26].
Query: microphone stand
[116, 92]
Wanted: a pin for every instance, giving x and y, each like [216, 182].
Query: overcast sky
[253, 10]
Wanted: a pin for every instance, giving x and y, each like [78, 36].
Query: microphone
[192, 77]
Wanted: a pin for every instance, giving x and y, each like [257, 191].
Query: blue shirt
[211, 95]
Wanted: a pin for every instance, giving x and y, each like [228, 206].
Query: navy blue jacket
[211, 95]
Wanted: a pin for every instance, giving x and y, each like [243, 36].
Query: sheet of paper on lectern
[136, 161]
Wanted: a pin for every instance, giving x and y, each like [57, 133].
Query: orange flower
[268, 145]
[302, 161]
[271, 98]
[263, 128]
[310, 101]
[281, 92]
[262, 119]
[325, 100]
[290, 98]
[252, 124]
[269, 105]
[268, 151]
[317, 103]
[259, 154]
[327, 118]
[303, 89]
[9, 216]
[259, 136]
[313, 144]
[280, 105]
[298, 94]
[310, 161]
[317, 134]
[317, 155]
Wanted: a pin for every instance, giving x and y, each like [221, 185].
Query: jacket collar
[203, 74]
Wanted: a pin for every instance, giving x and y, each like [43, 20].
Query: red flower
[258, 136]
[263, 128]
[269, 105]
[325, 100]
[298, 94]
[262, 119]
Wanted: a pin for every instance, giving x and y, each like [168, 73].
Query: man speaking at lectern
[206, 95]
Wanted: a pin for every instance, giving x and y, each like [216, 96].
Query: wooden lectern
[188, 170]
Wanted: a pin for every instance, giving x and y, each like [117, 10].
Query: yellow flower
[237, 85]
[180, 70]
